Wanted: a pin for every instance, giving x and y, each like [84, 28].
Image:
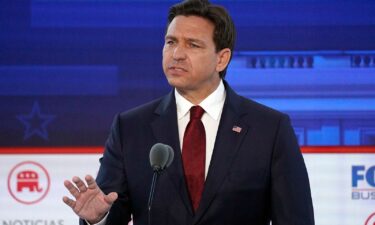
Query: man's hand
[90, 202]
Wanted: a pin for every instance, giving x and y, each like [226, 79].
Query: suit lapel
[165, 129]
[227, 143]
[226, 147]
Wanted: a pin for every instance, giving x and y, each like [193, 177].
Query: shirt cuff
[102, 222]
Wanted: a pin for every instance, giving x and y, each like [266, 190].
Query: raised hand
[90, 202]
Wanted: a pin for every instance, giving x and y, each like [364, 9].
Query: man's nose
[179, 53]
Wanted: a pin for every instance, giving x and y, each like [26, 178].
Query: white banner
[31, 187]
[336, 200]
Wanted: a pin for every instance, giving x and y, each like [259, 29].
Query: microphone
[161, 157]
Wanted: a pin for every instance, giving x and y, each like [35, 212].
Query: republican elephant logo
[28, 179]
[28, 182]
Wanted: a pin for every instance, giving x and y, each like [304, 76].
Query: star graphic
[35, 123]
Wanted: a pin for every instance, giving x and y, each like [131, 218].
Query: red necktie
[194, 155]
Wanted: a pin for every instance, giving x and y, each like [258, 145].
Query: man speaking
[236, 162]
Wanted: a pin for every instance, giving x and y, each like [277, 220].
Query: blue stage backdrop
[67, 67]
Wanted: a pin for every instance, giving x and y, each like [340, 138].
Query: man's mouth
[177, 68]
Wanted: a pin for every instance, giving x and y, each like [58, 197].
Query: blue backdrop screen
[67, 67]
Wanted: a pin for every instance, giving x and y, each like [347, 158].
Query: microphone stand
[151, 196]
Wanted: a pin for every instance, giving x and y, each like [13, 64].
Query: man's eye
[192, 45]
[169, 42]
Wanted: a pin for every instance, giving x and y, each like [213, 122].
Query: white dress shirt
[213, 107]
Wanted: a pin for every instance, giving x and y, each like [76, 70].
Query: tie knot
[196, 112]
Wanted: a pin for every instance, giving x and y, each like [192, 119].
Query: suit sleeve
[291, 202]
[112, 177]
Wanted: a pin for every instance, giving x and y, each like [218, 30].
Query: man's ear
[223, 57]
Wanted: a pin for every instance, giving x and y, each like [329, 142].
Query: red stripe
[99, 150]
[51, 150]
[338, 149]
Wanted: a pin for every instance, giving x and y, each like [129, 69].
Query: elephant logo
[28, 182]
[28, 179]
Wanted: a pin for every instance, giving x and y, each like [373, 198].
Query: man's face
[190, 61]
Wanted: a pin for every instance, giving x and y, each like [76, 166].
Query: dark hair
[224, 31]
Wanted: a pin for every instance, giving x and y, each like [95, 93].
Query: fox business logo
[363, 182]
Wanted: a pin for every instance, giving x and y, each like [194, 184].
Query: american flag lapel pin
[237, 129]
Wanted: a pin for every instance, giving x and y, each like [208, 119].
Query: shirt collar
[212, 105]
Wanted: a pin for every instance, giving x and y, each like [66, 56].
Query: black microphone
[161, 157]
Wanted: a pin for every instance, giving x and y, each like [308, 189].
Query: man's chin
[178, 84]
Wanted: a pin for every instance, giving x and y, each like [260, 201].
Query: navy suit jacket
[255, 175]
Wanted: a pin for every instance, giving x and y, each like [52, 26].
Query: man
[239, 164]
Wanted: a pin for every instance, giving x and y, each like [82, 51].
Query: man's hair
[224, 32]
